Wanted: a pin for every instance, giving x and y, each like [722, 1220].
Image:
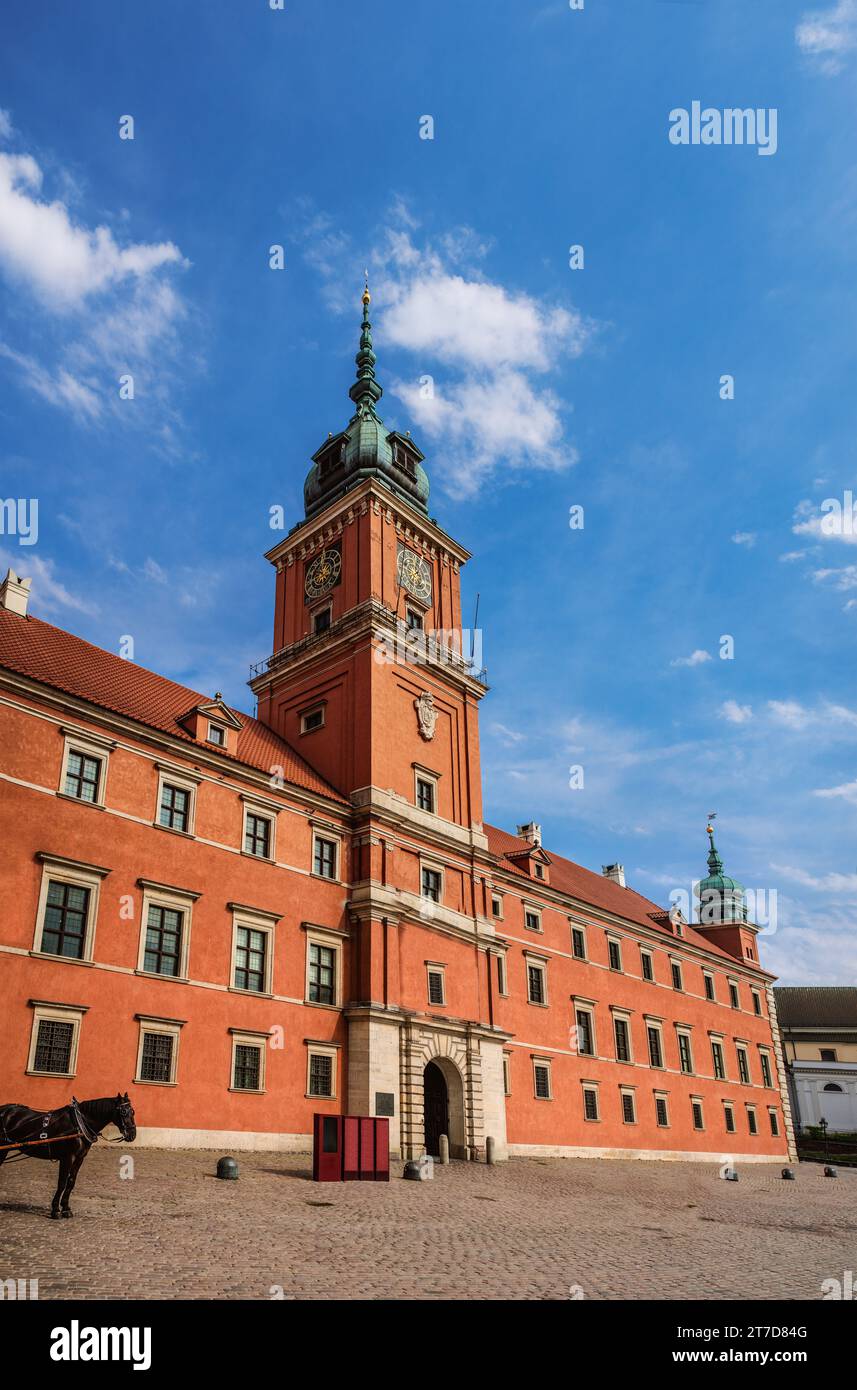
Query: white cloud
[507, 736]
[61, 261]
[792, 555]
[847, 790]
[696, 658]
[826, 36]
[735, 713]
[747, 538]
[834, 519]
[843, 579]
[47, 594]
[826, 883]
[6, 130]
[833, 718]
[790, 713]
[61, 388]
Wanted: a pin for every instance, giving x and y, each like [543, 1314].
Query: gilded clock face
[323, 573]
[415, 574]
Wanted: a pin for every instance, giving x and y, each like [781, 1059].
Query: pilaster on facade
[782, 1072]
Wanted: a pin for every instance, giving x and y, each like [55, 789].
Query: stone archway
[443, 1107]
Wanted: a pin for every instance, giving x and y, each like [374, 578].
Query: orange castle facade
[244, 921]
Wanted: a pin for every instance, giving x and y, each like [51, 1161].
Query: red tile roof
[56, 658]
[595, 889]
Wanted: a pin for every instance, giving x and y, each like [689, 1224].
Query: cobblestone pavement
[527, 1229]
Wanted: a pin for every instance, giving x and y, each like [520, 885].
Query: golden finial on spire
[366, 295]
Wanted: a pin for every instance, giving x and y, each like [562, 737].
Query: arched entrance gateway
[443, 1107]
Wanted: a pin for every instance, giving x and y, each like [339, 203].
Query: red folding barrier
[349, 1148]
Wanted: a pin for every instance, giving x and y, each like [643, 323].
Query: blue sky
[598, 387]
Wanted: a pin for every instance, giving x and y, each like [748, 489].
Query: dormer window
[405, 460]
[217, 735]
[331, 460]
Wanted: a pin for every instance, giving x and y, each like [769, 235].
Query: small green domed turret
[721, 898]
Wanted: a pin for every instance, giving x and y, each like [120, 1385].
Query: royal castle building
[246, 920]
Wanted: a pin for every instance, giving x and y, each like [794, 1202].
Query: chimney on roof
[531, 832]
[615, 872]
[15, 593]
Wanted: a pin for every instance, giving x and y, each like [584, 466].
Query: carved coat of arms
[426, 714]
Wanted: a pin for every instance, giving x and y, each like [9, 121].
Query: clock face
[323, 573]
[415, 574]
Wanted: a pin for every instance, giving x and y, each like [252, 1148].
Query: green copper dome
[721, 898]
[366, 448]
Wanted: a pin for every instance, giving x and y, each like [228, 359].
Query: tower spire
[366, 391]
[715, 863]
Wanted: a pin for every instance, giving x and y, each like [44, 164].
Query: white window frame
[624, 1016]
[507, 1073]
[89, 746]
[719, 1040]
[629, 1091]
[435, 968]
[531, 910]
[729, 1108]
[733, 985]
[80, 875]
[322, 936]
[578, 927]
[658, 1026]
[249, 1039]
[184, 781]
[591, 1086]
[541, 964]
[545, 1063]
[497, 897]
[221, 729]
[586, 1006]
[616, 941]
[751, 1110]
[663, 1096]
[423, 774]
[305, 714]
[436, 868]
[318, 1049]
[334, 838]
[757, 999]
[502, 974]
[55, 1013]
[268, 810]
[742, 1049]
[178, 900]
[676, 964]
[765, 1052]
[149, 1024]
[681, 1031]
[253, 920]
[774, 1121]
[694, 1101]
[649, 956]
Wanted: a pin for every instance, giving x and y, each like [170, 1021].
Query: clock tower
[369, 682]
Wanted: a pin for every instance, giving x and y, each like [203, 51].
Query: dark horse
[65, 1136]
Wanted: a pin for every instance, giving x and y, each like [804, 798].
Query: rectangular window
[757, 1002]
[752, 1122]
[623, 1040]
[542, 1080]
[536, 984]
[532, 920]
[435, 987]
[257, 835]
[656, 1051]
[162, 955]
[54, 1042]
[414, 620]
[250, 952]
[629, 1112]
[743, 1066]
[585, 1036]
[648, 966]
[662, 1113]
[425, 794]
[590, 1103]
[507, 1074]
[501, 974]
[828, 1054]
[321, 1074]
[717, 1058]
[312, 719]
[175, 807]
[321, 621]
[733, 995]
[247, 1068]
[66, 914]
[431, 884]
[82, 776]
[685, 1056]
[696, 1111]
[578, 944]
[709, 986]
[539, 870]
[675, 970]
[322, 974]
[775, 1123]
[614, 954]
[729, 1118]
[497, 907]
[324, 857]
[217, 735]
[156, 1058]
[766, 1069]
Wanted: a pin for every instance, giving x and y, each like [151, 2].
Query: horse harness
[83, 1131]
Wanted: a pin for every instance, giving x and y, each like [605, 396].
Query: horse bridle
[125, 1120]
